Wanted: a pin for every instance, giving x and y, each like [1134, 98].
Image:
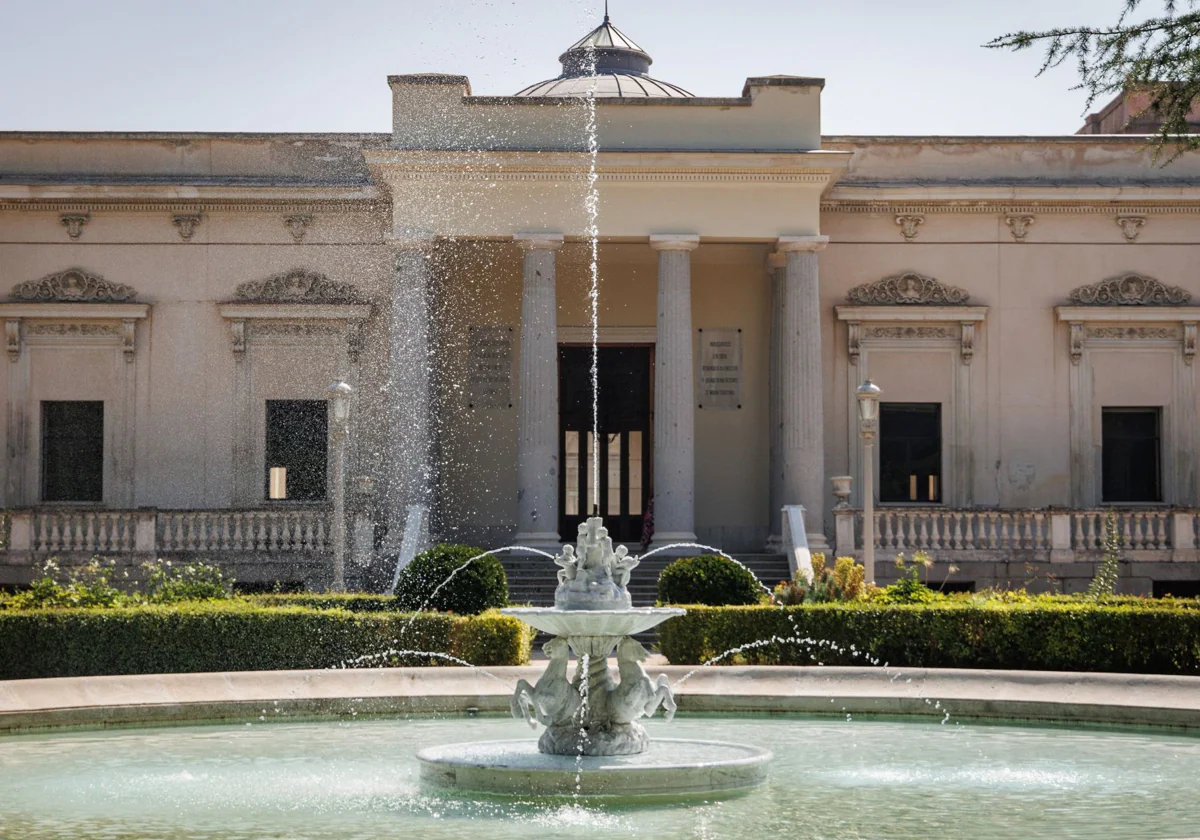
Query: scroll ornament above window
[297, 286]
[1130, 290]
[909, 288]
[72, 286]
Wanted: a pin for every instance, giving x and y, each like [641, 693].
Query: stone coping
[1032, 696]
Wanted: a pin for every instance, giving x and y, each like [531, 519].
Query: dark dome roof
[605, 63]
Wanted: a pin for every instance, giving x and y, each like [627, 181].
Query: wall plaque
[720, 383]
[490, 366]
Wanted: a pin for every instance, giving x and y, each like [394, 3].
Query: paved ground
[1110, 699]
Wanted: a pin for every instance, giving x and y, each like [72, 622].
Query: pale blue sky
[891, 66]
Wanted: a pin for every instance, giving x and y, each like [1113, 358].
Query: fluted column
[674, 393]
[800, 460]
[410, 472]
[537, 421]
[777, 269]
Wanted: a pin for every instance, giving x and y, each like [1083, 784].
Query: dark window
[910, 452]
[297, 441]
[1131, 458]
[1177, 588]
[72, 451]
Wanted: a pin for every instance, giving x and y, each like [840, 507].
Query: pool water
[831, 778]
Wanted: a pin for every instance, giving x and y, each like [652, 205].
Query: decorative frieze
[186, 224]
[297, 286]
[909, 288]
[1131, 226]
[910, 332]
[74, 330]
[1019, 225]
[1141, 333]
[297, 225]
[74, 223]
[1129, 290]
[260, 329]
[909, 224]
[72, 286]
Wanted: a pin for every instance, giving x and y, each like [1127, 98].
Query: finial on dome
[606, 11]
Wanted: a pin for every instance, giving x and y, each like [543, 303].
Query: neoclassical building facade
[176, 306]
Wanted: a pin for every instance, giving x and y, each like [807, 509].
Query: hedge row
[237, 636]
[1080, 636]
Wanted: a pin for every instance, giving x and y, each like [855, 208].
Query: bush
[479, 586]
[1043, 634]
[166, 583]
[87, 586]
[239, 636]
[355, 602]
[845, 582]
[708, 579]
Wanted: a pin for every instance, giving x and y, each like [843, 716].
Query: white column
[410, 471]
[777, 268]
[537, 419]
[674, 393]
[800, 461]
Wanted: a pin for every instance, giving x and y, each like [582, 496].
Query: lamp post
[339, 398]
[868, 427]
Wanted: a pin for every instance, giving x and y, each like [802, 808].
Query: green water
[831, 778]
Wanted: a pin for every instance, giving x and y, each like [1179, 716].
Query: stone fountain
[593, 742]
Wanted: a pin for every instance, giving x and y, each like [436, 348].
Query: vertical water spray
[592, 204]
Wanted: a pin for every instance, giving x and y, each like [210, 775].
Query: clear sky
[891, 66]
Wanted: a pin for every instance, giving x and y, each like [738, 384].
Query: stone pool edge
[1131, 700]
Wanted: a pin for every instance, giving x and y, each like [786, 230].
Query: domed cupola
[609, 63]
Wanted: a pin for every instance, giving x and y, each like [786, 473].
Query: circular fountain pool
[829, 778]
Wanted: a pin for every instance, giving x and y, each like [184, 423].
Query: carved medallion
[186, 224]
[74, 223]
[297, 286]
[1019, 225]
[72, 286]
[1131, 226]
[297, 225]
[1130, 290]
[908, 288]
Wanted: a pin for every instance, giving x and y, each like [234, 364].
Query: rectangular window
[72, 451]
[297, 449]
[1131, 457]
[910, 452]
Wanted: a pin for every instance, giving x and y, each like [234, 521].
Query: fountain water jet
[594, 742]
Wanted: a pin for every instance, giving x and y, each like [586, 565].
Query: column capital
[802, 243]
[776, 260]
[538, 241]
[674, 241]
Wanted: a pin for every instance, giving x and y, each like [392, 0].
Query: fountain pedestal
[592, 722]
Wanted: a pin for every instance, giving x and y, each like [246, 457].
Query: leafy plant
[845, 582]
[166, 583]
[1104, 584]
[708, 579]
[89, 585]
[910, 588]
[453, 578]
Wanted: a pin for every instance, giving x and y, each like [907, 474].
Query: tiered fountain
[593, 743]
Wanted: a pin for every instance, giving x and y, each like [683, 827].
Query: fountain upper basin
[593, 622]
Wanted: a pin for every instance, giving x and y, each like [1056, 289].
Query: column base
[667, 538]
[542, 540]
[774, 544]
[818, 543]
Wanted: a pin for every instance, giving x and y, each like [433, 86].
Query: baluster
[909, 524]
[40, 532]
[123, 532]
[259, 529]
[88, 530]
[273, 542]
[1163, 540]
[877, 531]
[235, 532]
[885, 530]
[306, 532]
[322, 534]
[921, 523]
[955, 518]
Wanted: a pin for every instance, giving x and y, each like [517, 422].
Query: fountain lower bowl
[670, 767]
[558, 622]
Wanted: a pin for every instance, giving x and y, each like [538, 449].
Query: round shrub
[708, 579]
[476, 587]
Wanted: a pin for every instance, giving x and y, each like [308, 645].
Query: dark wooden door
[623, 448]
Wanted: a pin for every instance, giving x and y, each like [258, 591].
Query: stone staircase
[532, 580]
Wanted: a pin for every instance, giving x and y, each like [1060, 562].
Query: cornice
[1128, 314]
[54, 310]
[84, 204]
[1130, 203]
[903, 313]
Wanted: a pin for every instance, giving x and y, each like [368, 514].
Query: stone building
[177, 305]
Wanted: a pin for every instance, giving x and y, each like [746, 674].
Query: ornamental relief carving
[910, 332]
[297, 286]
[72, 286]
[1130, 290]
[258, 329]
[72, 329]
[909, 288]
[1133, 333]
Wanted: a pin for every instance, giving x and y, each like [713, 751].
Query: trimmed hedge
[478, 583]
[1144, 638]
[238, 636]
[708, 579]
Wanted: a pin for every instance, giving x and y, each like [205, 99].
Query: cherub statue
[569, 563]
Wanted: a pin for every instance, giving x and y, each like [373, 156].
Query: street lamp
[868, 395]
[339, 399]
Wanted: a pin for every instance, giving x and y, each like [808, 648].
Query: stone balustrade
[951, 534]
